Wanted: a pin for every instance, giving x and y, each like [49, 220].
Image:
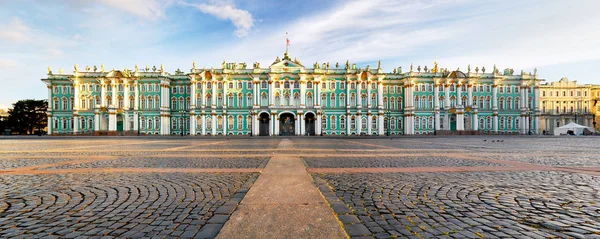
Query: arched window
[263, 99]
[296, 99]
[297, 84]
[309, 100]
[353, 123]
[393, 123]
[150, 102]
[363, 123]
[181, 103]
[286, 85]
[364, 99]
[240, 123]
[324, 100]
[220, 123]
[352, 100]
[309, 85]
[517, 123]
[263, 84]
[342, 100]
[502, 123]
[324, 122]
[209, 123]
[374, 123]
[208, 100]
[249, 100]
[286, 99]
[342, 122]
[277, 84]
[230, 122]
[230, 85]
[501, 103]
[332, 100]
[277, 99]
[489, 122]
[220, 100]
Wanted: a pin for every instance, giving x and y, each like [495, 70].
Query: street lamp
[182, 126]
[389, 118]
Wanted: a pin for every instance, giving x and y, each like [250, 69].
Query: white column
[96, 121]
[126, 122]
[115, 100]
[437, 120]
[49, 119]
[358, 124]
[447, 96]
[475, 121]
[137, 97]
[369, 123]
[380, 97]
[380, 124]
[75, 123]
[126, 96]
[348, 123]
[469, 94]
[317, 95]
[318, 124]
[436, 99]
[214, 121]
[271, 93]
[135, 121]
[214, 98]
[76, 95]
[302, 124]
[459, 94]
[358, 95]
[494, 107]
[203, 122]
[192, 124]
[369, 103]
[103, 94]
[272, 125]
[302, 92]
[225, 85]
[204, 98]
[348, 95]
[225, 124]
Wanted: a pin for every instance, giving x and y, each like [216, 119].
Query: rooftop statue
[411, 67]
[102, 67]
[87, 68]
[223, 65]
[379, 64]
[137, 68]
[469, 68]
[60, 71]
[394, 72]
[425, 69]
[419, 68]
[194, 64]
[49, 70]
[162, 68]
[347, 64]
[153, 68]
[76, 68]
[337, 65]
[147, 69]
[477, 69]
[435, 67]
[95, 68]
[327, 65]
[399, 70]
[483, 69]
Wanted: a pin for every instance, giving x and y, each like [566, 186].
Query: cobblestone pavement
[386, 162]
[407, 187]
[117, 205]
[465, 205]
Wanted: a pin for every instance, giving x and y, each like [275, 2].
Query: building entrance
[287, 124]
[310, 123]
[264, 124]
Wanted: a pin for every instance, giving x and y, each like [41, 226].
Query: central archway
[287, 124]
[264, 124]
[310, 119]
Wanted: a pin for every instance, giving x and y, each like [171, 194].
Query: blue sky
[559, 38]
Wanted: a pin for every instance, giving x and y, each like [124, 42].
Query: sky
[560, 38]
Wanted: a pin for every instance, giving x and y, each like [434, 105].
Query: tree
[28, 116]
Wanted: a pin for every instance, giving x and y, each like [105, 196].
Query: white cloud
[15, 31]
[147, 9]
[241, 19]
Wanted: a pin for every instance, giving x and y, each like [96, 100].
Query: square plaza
[298, 187]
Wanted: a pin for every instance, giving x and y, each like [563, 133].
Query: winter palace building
[287, 98]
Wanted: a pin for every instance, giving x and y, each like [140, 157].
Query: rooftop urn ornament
[469, 68]
[419, 68]
[87, 68]
[49, 70]
[425, 69]
[399, 70]
[327, 65]
[60, 71]
[337, 65]
[95, 68]
[395, 72]
[147, 69]
[483, 69]
[368, 68]
[153, 68]
[477, 69]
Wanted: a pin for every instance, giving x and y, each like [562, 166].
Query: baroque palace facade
[289, 99]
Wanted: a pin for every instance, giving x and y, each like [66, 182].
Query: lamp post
[389, 118]
[251, 116]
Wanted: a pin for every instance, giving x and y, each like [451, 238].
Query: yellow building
[566, 101]
[596, 106]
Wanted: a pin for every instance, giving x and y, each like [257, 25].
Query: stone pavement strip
[283, 203]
